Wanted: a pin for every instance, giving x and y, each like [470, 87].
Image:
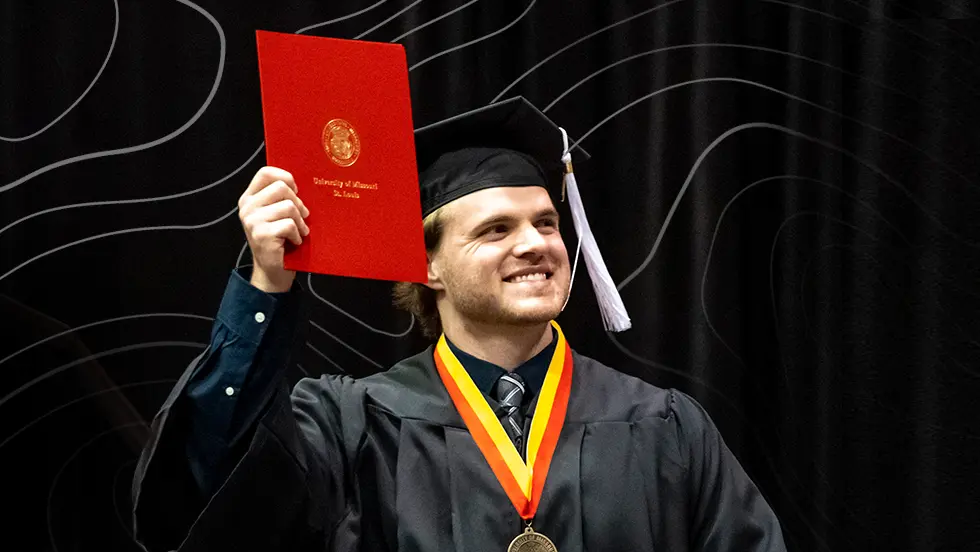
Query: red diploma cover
[338, 116]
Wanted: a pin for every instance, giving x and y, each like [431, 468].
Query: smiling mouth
[534, 277]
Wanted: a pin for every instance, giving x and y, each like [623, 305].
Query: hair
[419, 299]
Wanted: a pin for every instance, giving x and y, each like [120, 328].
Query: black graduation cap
[508, 143]
[512, 143]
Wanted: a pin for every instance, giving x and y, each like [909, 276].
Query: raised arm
[231, 464]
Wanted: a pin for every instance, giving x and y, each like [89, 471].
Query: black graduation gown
[386, 463]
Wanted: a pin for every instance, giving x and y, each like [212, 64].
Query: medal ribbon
[522, 482]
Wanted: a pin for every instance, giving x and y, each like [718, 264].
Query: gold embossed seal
[531, 541]
[341, 142]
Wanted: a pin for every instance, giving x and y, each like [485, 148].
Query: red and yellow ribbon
[522, 482]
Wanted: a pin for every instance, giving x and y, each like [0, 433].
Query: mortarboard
[508, 143]
[512, 143]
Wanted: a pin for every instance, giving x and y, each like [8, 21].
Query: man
[499, 437]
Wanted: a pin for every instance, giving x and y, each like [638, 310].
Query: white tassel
[614, 315]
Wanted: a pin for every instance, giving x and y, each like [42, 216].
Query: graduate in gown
[499, 436]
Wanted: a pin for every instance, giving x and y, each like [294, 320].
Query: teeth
[537, 276]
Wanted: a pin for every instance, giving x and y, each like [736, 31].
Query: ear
[434, 269]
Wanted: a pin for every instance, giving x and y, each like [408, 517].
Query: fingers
[268, 175]
[277, 230]
[273, 193]
[286, 202]
[281, 210]
[271, 212]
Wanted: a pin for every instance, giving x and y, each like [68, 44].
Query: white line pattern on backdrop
[434, 20]
[537, 65]
[77, 329]
[138, 200]
[96, 356]
[153, 143]
[117, 233]
[411, 319]
[474, 41]
[112, 45]
[771, 126]
[874, 29]
[113, 389]
[898, 139]
[341, 18]
[348, 346]
[390, 18]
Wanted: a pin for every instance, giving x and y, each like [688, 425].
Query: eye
[547, 223]
[494, 230]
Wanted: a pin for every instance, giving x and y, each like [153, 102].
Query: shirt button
[260, 317]
[229, 391]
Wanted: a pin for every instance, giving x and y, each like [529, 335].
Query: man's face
[501, 259]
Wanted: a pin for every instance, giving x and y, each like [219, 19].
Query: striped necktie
[509, 392]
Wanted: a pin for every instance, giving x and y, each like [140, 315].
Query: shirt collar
[485, 374]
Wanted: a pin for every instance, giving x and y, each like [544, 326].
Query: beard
[474, 300]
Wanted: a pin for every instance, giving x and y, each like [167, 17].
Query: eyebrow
[497, 219]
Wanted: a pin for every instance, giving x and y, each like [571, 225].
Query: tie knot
[509, 390]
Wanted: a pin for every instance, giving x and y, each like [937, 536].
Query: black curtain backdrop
[784, 191]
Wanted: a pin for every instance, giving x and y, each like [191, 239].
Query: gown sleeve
[257, 468]
[728, 512]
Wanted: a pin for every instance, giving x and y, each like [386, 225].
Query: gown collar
[485, 374]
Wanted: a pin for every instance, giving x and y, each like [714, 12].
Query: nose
[529, 241]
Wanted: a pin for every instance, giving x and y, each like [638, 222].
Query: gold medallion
[341, 142]
[529, 541]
